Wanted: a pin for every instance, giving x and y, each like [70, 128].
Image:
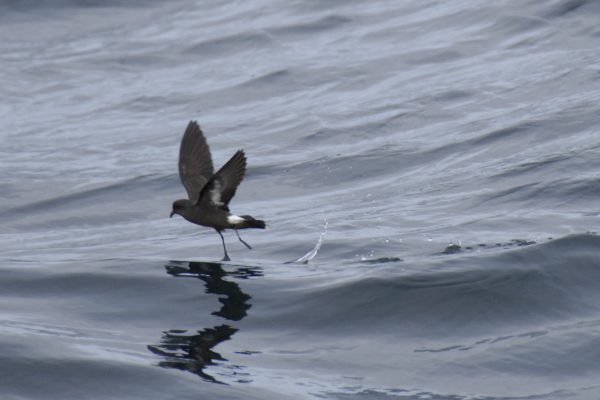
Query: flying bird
[209, 193]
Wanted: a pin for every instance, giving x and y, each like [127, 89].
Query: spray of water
[311, 254]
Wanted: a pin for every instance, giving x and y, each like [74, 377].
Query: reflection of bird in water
[210, 193]
[235, 303]
[193, 352]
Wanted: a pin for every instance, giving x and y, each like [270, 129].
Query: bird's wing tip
[193, 124]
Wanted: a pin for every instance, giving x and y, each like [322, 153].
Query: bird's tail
[251, 222]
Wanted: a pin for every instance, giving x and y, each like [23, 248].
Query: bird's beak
[172, 213]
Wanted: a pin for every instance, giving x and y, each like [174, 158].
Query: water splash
[311, 254]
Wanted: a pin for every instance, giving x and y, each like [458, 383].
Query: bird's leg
[226, 257]
[246, 244]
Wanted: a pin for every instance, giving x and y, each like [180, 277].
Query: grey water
[433, 166]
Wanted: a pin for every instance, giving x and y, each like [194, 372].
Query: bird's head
[181, 207]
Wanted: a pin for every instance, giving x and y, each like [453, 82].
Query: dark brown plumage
[195, 162]
[209, 193]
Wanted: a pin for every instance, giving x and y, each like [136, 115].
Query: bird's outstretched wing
[222, 186]
[195, 163]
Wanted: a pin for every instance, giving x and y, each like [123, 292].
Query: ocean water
[436, 164]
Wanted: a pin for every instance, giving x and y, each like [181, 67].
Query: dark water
[446, 153]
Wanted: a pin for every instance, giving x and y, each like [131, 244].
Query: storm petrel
[210, 193]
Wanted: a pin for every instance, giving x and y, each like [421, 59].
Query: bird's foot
[226, 258]
[241, 240]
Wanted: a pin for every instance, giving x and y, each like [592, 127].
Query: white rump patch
[235, 220]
